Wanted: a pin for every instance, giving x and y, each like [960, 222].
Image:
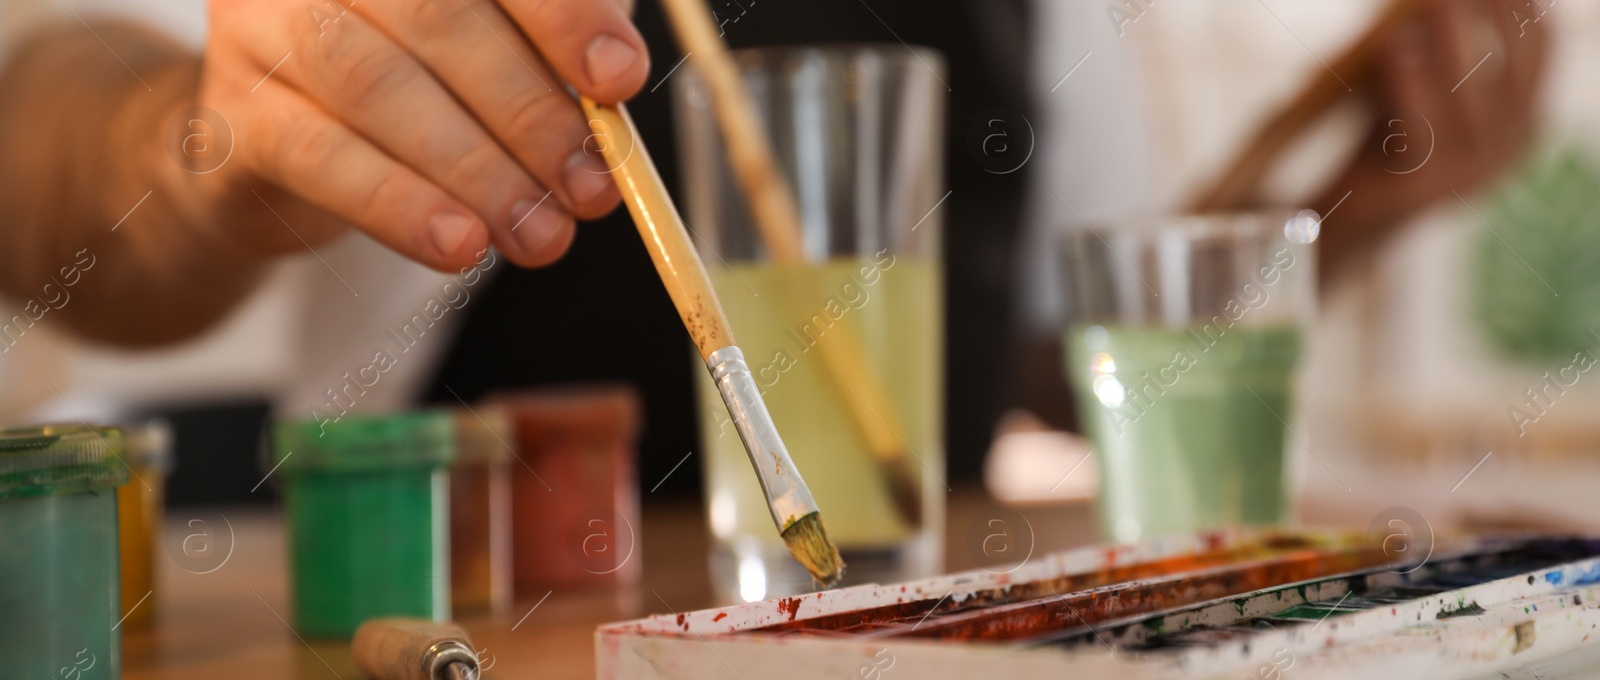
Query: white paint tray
[1264, 605]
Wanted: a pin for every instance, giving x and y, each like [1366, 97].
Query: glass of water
[857, 133]
[1182, 350]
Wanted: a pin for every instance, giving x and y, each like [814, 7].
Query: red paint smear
[683, 622]
[1282, 556]
[1031, 618]
[790, 606]
[719, 617]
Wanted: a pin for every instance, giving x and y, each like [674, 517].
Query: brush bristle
[905, 489]
[811, 547]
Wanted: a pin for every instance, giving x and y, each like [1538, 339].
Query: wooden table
[231, 623]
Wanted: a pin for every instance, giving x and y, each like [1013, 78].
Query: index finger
[592, 45]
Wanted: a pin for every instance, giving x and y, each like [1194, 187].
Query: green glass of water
[1182, 350]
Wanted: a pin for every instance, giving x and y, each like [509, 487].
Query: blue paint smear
[1579, 577]
[1588, 576]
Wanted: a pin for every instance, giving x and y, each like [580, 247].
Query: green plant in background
[1536, 295]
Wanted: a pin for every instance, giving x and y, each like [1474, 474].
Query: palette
[1226, 605]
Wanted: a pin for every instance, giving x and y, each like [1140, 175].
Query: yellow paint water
[781, 317]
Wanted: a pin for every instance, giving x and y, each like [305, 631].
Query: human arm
[434, 127]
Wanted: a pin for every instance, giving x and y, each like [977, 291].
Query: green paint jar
[365, 507]
[59, 598]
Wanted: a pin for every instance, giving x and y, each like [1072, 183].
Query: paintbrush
[793, 508]
[772, 207]
[1235, 187]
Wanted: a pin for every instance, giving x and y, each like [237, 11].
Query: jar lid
[60, 459]
[365, 442]
[597, 415]
[149, 445]
[483, 436]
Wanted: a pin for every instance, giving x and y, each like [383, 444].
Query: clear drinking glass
[857, 132]
[1182, 350]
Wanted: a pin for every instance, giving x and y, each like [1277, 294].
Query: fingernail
[586, 177]
[523, 210]
[448, 230]
[538, 227]
[607, 58]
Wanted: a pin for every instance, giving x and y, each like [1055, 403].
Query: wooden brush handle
[773, 206]
[664, 233]
[397, 648]
[1236, 187]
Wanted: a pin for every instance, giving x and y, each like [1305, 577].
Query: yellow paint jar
[480, 510]
[139, 518]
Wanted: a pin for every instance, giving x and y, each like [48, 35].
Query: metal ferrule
[448, 660]
[787, 495]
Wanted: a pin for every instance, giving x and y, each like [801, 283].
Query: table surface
[232, 622]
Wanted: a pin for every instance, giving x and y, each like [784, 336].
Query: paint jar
[140, 517]
[845, 338]
[574, 500]
[59, 607]
[480, 511]
[365, 505]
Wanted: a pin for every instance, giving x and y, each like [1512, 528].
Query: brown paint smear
[1029, 609]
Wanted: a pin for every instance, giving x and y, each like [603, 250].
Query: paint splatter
[790, 606]
[1588, 576]
[1468, 609]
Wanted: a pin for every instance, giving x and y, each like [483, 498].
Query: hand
[435, 126]
[1456, 107]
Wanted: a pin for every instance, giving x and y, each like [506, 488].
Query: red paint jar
[575, 500]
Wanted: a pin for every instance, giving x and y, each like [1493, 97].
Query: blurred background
[1419, 362]
[1052, 205]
